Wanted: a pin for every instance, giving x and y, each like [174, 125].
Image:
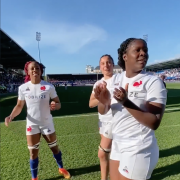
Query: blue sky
[75, 33]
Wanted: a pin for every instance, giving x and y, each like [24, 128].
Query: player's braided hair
[109, 56]
[27, 77]
[122, 50]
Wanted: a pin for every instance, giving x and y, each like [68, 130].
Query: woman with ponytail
[37, 93]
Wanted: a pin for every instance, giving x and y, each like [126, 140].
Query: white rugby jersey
[37, 97]
[142, 88]
[108, 115]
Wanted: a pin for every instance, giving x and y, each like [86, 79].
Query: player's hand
[53, 106]
[121, 95]
[102, 94]
[8, 120]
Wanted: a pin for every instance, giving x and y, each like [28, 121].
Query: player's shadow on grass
[55, 178]
[166, 171]
[84, 170]
[79, 171]
[169, 152]
[173, 169]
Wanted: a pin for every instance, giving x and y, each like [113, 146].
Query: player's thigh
[113, 170]
[105, 142]
[33, 139]
[33, 135]
[50, 137]
[48, 133]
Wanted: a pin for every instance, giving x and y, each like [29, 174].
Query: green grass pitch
[78, 138]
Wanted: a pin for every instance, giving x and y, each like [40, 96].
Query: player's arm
[93, 102]
[155, 106]
[55, 104]
[103, 108]
[150, 118]
[17, 109]
[15, 112]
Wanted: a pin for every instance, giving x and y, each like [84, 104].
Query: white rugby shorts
[105, 129]
[136, 165]
[36, 129]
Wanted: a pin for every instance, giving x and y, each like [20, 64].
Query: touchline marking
[167, 109]
[79, 115]
[176, 125]
[75, 116]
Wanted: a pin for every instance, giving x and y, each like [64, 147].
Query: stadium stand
[13, 59]
[73, 79]
[171, 69]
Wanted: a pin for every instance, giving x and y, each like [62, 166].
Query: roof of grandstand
[115, 67]
[12, 55]
[175, 63]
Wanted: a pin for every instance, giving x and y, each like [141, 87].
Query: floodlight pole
[38, 38]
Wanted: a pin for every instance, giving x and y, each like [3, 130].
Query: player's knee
[54, 147]
[103, 153]
[33, 150]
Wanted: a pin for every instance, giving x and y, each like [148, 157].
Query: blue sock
[34, 167]
[59, 159]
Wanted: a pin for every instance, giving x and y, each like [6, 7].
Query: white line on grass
[176, 125]
[167, 109]
[56, 117]
[75, 116]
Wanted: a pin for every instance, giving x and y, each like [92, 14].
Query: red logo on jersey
[43, 88]
[137, 84]
[29, 129]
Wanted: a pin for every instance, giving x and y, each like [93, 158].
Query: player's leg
[104, 148]
[113, 170]
[33, 140]
[103, 154]
[49, 135]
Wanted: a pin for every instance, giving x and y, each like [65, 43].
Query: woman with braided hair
[37, 93]
[138, 104]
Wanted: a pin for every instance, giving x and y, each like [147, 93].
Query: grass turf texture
[79, 139]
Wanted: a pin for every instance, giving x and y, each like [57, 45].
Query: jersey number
[133, 94]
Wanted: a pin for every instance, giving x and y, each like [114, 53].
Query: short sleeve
[156, 92]
[20, 94]
[53, 93]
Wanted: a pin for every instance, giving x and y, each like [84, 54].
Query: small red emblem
[137, 84]
[43, 88]
[29, 129]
